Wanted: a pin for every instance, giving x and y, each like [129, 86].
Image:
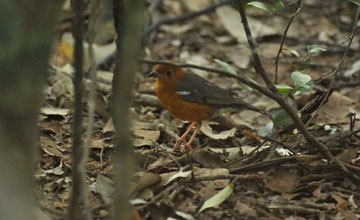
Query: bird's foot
[182, 148]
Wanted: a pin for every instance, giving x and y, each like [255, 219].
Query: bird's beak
[153, 74]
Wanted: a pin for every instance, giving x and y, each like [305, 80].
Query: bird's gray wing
[194, 88]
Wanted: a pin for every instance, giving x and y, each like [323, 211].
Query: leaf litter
[168, 185]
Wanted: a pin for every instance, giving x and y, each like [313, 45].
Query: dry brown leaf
[158, 163]
[145, 181]
[283, 181]
[244, 209]
[247, 149]
[52, 126]
[138, 142]
[146, 134]
[109, 126]
[101, 143]
[336, 110]
[232, 23]
[347, 155]
[208, 131]
[54, 111]
[206, 158]
[341, 204]
[52, 151]
[197, 5]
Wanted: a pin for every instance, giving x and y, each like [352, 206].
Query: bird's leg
[182, 139]
[188, 145]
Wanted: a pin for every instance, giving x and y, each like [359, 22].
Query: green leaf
[260, 5]
[302, 82]
[294, 52]
[309, 61]
[282, 119]
[225, 66]
[218, 198]
[278, 5]
[284, 89]
[315, 48]
[356, 2]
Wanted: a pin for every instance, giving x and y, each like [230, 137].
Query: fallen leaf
[347, 155]
[109, 126]
[52, 126]
[282, 180]
[52, 151]
[160, 162]
[145, 181]
[352, 203]
[219, 198]
[232, 23]
[146, 194]
[105, 187]
[57, 170]
[137, 142]
[184, 215]
[180, 174]
[341, 204]
[208, 131]
[54, 111]
[147, 134]
[206, 158]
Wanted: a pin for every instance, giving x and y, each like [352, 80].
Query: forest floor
[276, 177]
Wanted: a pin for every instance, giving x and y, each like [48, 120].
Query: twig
[298, 210]
[279, 143]
[229, 176]
[166, 152]
[348, 135]
[91, 104]
[291, 112]
[298, 8]
[264, 164]
[78, 178]
[255, 56]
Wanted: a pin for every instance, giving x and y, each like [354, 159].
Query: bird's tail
[244, 105]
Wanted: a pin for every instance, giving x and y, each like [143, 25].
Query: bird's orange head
[167, 75]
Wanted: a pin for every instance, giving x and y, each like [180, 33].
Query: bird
[189, 97]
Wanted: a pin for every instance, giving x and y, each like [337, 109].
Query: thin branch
[91, 104]
[254, 53]
[74, 211]
[264, 164]
[298, 8]
[279, 143]
[231, 177]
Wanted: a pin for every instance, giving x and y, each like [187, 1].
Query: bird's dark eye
[168, 72]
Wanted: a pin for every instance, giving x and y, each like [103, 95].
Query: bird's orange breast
[184, 110]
